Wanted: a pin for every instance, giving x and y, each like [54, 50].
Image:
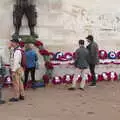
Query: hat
[89, 37]
[15, 40]
[81, 42]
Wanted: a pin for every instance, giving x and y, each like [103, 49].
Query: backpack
[23, 60]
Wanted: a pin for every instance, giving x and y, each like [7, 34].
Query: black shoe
[71, 88]
[92, 85]
[13, 99]
[22, 97]
[34, 82]
[2, 102]
[81, 89]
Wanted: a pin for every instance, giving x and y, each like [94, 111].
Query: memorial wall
[61, 23]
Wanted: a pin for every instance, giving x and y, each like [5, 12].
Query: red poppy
[44, 52]
[46, 78]
[51, 55]
[100, 77]
[118, 54]
[48, 65]
[38, 43]
[21, 43]
[112, 76]
[105, 76]
[89, 78]
[79, 78]
[102, 54]
[57, 80]
[68, 56]
[68, 78]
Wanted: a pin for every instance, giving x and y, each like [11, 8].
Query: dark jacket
[81, 58]
[93, 53]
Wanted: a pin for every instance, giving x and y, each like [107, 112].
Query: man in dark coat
[93, 57]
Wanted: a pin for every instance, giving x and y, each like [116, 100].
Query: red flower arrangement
[74, 55]
[57, 80]
[68, 79]
[68, 56]
[102, 54]
[79, 78]
[21, 43]
[118, 54]
[44, 52]
[112, 76]
[38, 43]
[105, 76]
[48, 65]
[100, 77]
[89, 78]
[51, 54]
[46, 78]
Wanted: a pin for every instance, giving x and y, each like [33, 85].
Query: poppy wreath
[112, 76]
[46, 56]
[58, 56]
[51, 54]
[67, 79]
[48, 65]
[100, 78]
[57, 80]
[68, 56]
[102, 54]
[105, 76]
[79, 78]
[112, 55]
[89, 78]
[118, 54]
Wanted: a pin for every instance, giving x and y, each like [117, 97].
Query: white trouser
[83, 74]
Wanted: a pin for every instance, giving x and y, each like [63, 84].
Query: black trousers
[29, 12]
[92, 70]
[32, 72]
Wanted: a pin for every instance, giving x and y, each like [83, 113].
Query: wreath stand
[26, 39]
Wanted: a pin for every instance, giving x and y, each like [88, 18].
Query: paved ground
[100, 103]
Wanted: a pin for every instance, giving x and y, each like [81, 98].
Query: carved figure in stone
[27, 8]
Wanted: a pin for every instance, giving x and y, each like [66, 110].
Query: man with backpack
[17, 71]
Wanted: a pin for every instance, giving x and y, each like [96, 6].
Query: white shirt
[16, 61]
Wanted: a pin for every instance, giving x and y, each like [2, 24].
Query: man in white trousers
[81, 66]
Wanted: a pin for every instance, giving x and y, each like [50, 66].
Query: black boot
[2, 102]
[22, 97]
